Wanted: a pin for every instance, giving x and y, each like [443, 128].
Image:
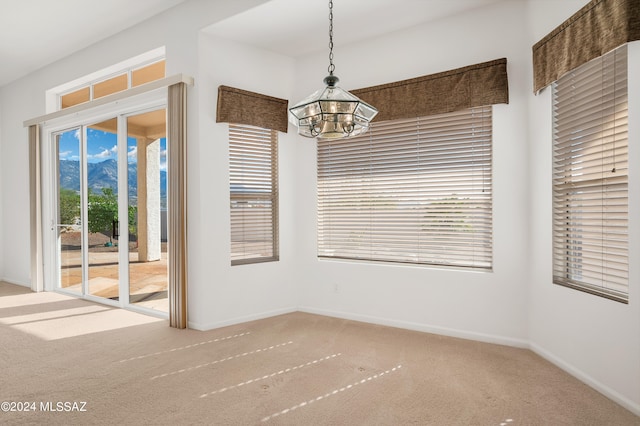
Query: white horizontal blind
[253, 173]
[590, 175]
[410, 190]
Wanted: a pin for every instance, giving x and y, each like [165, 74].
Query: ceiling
[34, 33]
[297, 27]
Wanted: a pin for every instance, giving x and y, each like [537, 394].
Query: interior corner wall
[595, 339]
[225, 294]
[487, 306]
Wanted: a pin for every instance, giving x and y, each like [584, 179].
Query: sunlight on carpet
[332, 393]
[51, 316]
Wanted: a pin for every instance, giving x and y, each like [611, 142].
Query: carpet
[69, 361]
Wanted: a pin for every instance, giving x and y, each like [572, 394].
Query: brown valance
[474, 85]
[243, 107]
[597, 28]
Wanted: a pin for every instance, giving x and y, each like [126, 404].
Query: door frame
[123, 108]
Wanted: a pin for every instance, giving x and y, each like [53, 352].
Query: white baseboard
[587, 379]
[489, 338]
[15, 282]
[451, 332]
[239, 320]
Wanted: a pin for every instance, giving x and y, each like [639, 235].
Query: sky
[102, 146]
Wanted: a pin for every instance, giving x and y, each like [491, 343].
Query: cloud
[163, 153]
[106, 153]
[76, 134]
[133, 152]
[64, 154]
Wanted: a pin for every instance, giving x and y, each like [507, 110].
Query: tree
[69, 204]
[103, 212]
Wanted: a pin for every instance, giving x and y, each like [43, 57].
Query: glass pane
[69, 226]
[102, 209]
[147, 181]
[108, 87]
[149, 73]
[75, 98]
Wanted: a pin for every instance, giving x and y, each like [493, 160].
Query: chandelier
[331, 112]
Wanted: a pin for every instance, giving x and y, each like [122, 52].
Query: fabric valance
[597, 28]
[475, 85]
[254, 109]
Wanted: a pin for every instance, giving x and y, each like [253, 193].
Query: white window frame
[248, 170]
[591, 178]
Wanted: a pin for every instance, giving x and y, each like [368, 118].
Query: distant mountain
[70, 175]
[103, 175]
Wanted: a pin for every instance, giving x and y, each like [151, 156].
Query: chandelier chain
[331, 66]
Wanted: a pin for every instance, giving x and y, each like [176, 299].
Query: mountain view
[105, 175]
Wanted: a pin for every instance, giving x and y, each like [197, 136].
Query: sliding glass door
[68, 218]
[100, 184]
[111, 210]
[147, 202]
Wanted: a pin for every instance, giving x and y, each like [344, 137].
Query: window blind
[412, 190]
[590, 175]
[253, 172]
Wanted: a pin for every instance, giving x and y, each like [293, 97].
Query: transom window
[114, 83]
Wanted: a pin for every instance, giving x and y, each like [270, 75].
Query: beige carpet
[295, 369]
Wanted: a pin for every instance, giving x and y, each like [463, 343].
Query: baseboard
[451, 332]
[239, 320]
[15, 282]
[587, 379]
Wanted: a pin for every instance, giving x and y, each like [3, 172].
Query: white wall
[23, 99]
[1, 201]
[596, 339]
[225, 294]
[490, 306]
[15, 197]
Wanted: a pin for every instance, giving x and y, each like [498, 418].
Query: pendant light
[331, 112]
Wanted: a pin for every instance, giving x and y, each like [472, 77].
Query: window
[590, 165]
[410, 191]
[123, 80]
[253, 172]
[76, 97]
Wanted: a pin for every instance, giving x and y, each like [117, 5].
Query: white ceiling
[296, 27]
[34, 33]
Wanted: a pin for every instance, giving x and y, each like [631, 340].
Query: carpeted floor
[58, 353]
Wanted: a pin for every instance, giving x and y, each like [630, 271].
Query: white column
[148, 200]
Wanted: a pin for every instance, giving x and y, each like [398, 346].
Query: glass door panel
[69, 211]
[147, 182]
[102, 231]
[111, 210]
